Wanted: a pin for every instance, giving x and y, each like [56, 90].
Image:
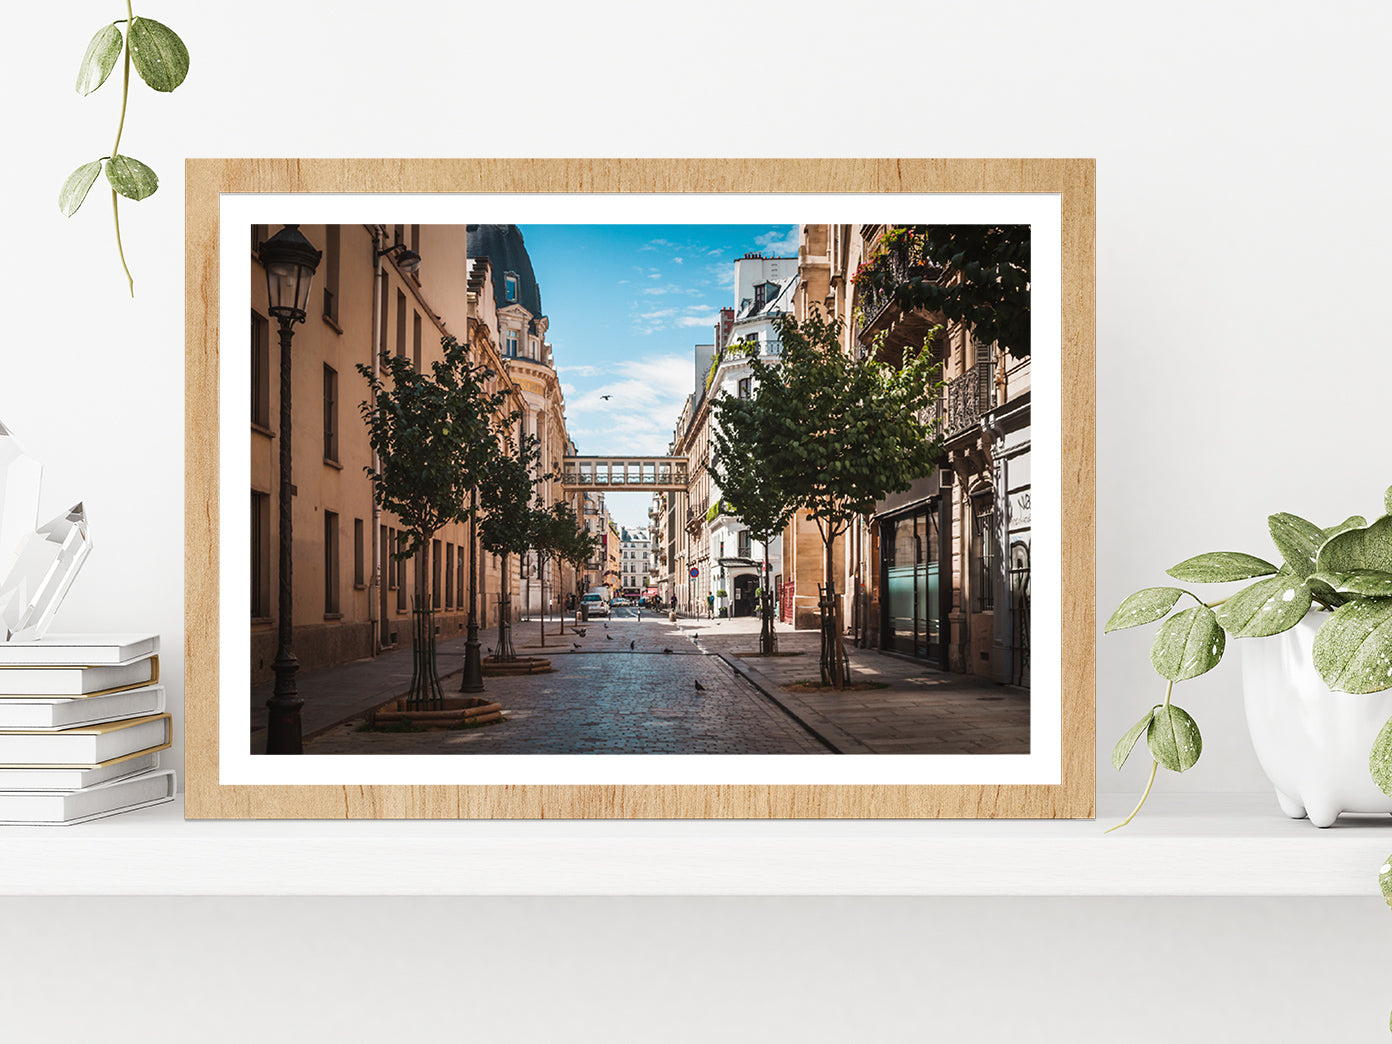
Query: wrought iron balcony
[968, 397]
[896, 267]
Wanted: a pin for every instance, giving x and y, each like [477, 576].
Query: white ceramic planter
[1312, 743]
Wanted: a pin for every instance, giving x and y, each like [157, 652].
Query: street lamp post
[473, 662]
[290, 261]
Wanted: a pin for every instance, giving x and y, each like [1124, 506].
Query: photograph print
[640, 489]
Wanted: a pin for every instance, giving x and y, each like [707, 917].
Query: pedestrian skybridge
[624, 474]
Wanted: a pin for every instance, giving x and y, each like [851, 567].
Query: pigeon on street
[700, 687]
[575, 645]
[608, 637]
[666, 650]
[632, 644]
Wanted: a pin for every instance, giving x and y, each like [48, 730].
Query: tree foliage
[977, 275]
[836, 434]
[506, 493]
[435, 436]
[738, 466]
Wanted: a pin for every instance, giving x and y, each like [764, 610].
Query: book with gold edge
[79, 650]
[61, 777]
[49, 713]
[77, 681]
[89, 745]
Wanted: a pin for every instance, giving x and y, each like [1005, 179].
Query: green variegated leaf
[1385, 881]
[1218, 567]
[1143, 607]
[130, 177]
[1267, 607]
[1387, 500]
[1352, 522]
[1379, 761]
[100, 59]
[1354, 549]
[1353, 650]
[1122, 750]
[1187, 644]
[1173, 738]
[1366, 583]
[1297, 540]
[157, 53]
[1322, 592]
[74, 190]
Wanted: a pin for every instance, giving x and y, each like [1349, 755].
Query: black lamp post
[473, 662]
[290, 262]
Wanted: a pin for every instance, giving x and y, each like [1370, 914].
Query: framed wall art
[571, 489]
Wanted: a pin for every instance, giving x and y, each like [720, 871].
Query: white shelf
[1189, 846]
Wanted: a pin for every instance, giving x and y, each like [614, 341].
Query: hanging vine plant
[162, 61]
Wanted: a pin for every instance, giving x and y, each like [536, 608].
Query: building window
[746, 545]
[745, 387]
[331, 233]
[400, 565]
[260, 555]
[398, 235]
[435, 574]
[260, 370]
[510, 340]
[330, 413]
[400, 323]
[983, 553]
[449, 576]
[382, 328]
[510, 287]
[359, 554]
[760, 293]
[330, 563]
[416, 342]
[459, 576]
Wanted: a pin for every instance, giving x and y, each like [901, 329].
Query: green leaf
[1219, 567]
[1321, 590]
[1353, 650]
[1366, 583]
[1267, 607]
[1297, 540]
[130, 177]
[1173, 738]
[1379, 764]
[1188, 644]
[74, 190]
[1143, 607]
[99, 60]
[1387, 500]
[1122, 750]
[158, 54]
[1352, 522]
[1356, 549]
[1385, 880]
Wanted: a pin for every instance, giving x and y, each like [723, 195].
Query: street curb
[814, 721]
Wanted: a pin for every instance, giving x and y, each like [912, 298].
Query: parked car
[619, 602]
[594, 604]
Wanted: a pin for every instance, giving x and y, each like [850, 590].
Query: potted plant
[1318, 696]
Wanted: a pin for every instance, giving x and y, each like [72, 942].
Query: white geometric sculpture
[20, 475]
[37, 566]
[40, 575]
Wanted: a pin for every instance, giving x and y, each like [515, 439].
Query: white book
[87, 746]
[50, 777]
[77, 681]
[78, 650]
[50, 713]
[65, 807]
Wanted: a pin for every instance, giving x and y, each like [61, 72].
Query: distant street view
[734, 490]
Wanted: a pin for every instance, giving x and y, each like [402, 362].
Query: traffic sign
[695, 571]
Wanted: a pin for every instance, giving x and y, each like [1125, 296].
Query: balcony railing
[968, 397]
[894, 268]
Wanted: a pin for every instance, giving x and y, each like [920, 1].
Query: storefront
[915, 581]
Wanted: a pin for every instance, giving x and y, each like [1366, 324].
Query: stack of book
[82, 723]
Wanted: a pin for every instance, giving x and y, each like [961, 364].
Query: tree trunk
[426, 692]
[541, 579]
[505, 650]
[768, 641]
[833, 652]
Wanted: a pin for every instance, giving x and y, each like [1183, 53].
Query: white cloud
[678, 260]
[622, 282]
[698, 320]
[655, 275]
[782, 243]
[582, 370]
[641, 408]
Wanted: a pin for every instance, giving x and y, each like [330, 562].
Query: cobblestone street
[607, 699]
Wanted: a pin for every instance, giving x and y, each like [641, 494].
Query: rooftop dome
[502, 245]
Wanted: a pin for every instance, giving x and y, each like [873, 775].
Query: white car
[594, 604]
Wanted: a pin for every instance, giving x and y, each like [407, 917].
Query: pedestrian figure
[710, 605]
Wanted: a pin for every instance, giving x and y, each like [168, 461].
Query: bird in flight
[606, 396]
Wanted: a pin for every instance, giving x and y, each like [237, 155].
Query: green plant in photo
[162, 61]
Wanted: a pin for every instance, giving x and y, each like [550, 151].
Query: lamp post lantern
[290, 261]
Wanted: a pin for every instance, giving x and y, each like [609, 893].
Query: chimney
[727, 323]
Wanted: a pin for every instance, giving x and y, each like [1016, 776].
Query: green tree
[558, 535]
[839, 435]
[507, 492]
[977, 275]
[436, 436]
[747, 485]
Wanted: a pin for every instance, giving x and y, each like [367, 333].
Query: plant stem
[120, 127]
[1154, 767]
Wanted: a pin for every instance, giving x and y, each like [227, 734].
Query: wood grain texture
[1072, 179]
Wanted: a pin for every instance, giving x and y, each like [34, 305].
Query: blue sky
[627, 304]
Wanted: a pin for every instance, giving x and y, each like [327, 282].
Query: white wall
[1243, 363]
